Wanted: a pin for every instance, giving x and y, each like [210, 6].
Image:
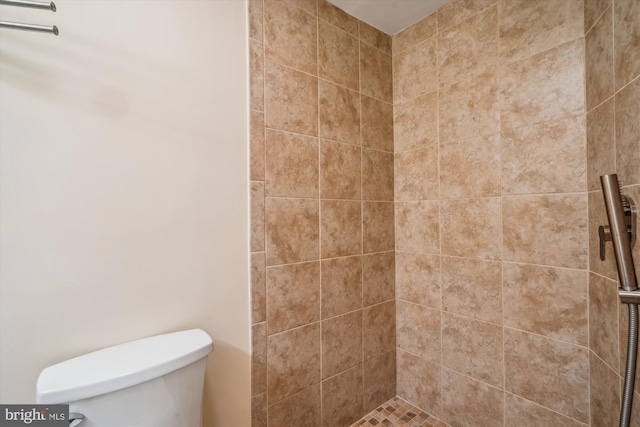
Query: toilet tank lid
[121, 366]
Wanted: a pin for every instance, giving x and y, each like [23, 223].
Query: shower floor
[398, 413]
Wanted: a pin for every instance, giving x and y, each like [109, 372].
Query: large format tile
[337, 17]
[418, 278]
[375, 73]
[378, 278]
[599, 60]
[549, 372]
[374, 37]
[301, 409]
[530, 27]
[291, 100]
[416, 174]
[550, 230]
[415, 123]
[290, 36]
[472, 348]
[377, 227]
[626, 40]
[603, 319]
[415, 34]
[605, 393]
[417, 226]
[468, 49]
[473, 288]
[377, 173]
[258, 358]
[341, 343]
[469, 108]
[628, 133]
[546, 157]
[414, 71]
[379, 329]
[543, 87]
[255, 8]
[291, 165]
[342, 398]
[339, 171]
[292, 230]
[379, 380]
[524, 413]
[419, 382]
[259, 410]
[470, 168]
[256, 75]
[341, 284]
[471, 228]
[257, 235]
[376, 126]
[339, 110]
[338, 56]
[418, 330]
[547, 301]
[470, 403]
[456, 11]
[293, 361]
[258, 288]
[293, 295]
[340, 230]
[593, 9]
[256, 146]
[601, 150]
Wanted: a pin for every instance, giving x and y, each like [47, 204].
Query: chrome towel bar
[34, 4]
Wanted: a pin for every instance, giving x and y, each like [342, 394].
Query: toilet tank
[152, 382]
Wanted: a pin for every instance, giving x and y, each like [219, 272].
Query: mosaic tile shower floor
[398, 413]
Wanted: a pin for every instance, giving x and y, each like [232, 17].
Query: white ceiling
[390, 16]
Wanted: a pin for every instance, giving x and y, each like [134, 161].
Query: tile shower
[424, 211]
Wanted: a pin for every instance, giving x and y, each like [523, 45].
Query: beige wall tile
[339, 113]
[377, 175]
[415, 71]
[339, 171]
[379, 380]
[291, 100]
[473, 288]
[471, 228]
[377, 227]
[378, 278]
[419, 382]
[548, 230]
[419, 330]
[293, 295]
[258, 288]
[626, 39]
[592, 11]
[549, 372]
[338, 55]
[417, 33]
[293, 361]
[338, 17]
[291, 165]
[418, 278]
[473, 348]
[415, 123]
[603, 319]
[470, 168]
[599, 60]
[547, 301]
[605, 393]
[341, 285]
[290, 36]
[376, 128]
[457, 11]
[342, 398]
[528, 28]
[340, 230]
[374, 37]
[469, 48]
[523, 413]
[466, 402]
[379, 329]
[469, 109]
[543, 87]
[308, 6]
[259, 410]
[302, 409]
[258, 358]
[256, 75]
[292, 230]
[601, 151]
[623, 330]
[341, 343]
[417, 226]
[598, 217]
[634, 192]
[547, 157]
[257, 217]
[628, 133]
[416, 174]
[255, 19]
[256, 147]
[375, 73]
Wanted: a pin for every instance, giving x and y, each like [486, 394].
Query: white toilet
[152, 382]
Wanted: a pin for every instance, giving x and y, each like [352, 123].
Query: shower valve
[630, 215]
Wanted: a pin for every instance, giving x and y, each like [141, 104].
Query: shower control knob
[605, 236]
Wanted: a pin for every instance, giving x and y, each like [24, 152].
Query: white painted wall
[123, 179]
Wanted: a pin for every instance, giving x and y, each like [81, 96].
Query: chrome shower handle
[619, 230]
